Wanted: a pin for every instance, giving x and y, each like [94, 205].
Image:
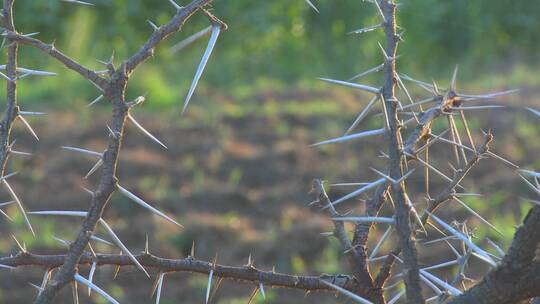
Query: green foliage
[283, 40]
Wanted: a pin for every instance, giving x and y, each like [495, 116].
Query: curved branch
[246, 273]
[71, 64]
[163, 32]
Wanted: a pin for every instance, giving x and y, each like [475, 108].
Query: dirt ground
[239, 183]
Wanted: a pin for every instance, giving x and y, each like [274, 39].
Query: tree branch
[50, 49]
[246, 273]
[164, 31]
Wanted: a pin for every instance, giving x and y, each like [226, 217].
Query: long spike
[142, 203]
[365, 219]
[365, 30]
[383, 238]
[351, 137]
[91, 276]
[19, 204]
[94, 168]
[362, 114]
[216, 29]
[454, 77]
[160, 284]
[535, 112]
[81, 150]
[122, 246]
[79, 2]
[312, 5]
[189, 40]
[357, 192]
[465, 239]
[478, 215]
[209, 285]
[28, 126]
[140, 127]
[347, 293]
[353, 85]
[84, 281]
[96, 100]
[75, 292]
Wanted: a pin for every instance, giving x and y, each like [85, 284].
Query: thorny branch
[247, 273]
[498, 286]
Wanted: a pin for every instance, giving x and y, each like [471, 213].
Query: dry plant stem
[402, 208]
[11, 109]
[242, 273]
[113, 90]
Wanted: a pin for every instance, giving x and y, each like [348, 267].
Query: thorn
[19, 204]
[142, 129]
[462, 203]
[154, 27]
[96, 100]
[482, 254]
[351, 137]
[192, 252]
[357, 192]
[385, 235]
[97, 239]
[209, 285]
[250, 261]
[62, 213]
[84, 281]
[112, 133]
[362, 114]
[122, 246]
[535, 112]
[453, 82]
[94, 168]
[75, 292]
[353, 85]
[347, 293]
[372, 70]
[312, 5]
[367, 29]
[81, 150]
[366, 219]
[22, 248]
[216, 29]
[27, 125]
[91, 276]
[142, 203]
[146, 249]
[78, 2]
[176, 6]
[31, 113]
[189, 40]
[159, 285]
[379, 10]
[261, 288]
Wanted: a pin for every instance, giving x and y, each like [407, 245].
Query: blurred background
[239, 167]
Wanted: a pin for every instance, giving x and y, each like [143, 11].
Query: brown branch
[50, 49]
[11, 109]
[402, 206]
[114, 90]
[246, 273]
[164, 31]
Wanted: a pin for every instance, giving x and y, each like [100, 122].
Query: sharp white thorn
[216, 29]
[352, 85]
[79, 2]
[91, 285]
[28, 126]
[142, 203]
[122, 246]
[19, 204]
[189, 40]
[347, 293]
[312, 5]
[140, 127]
[351, 137]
